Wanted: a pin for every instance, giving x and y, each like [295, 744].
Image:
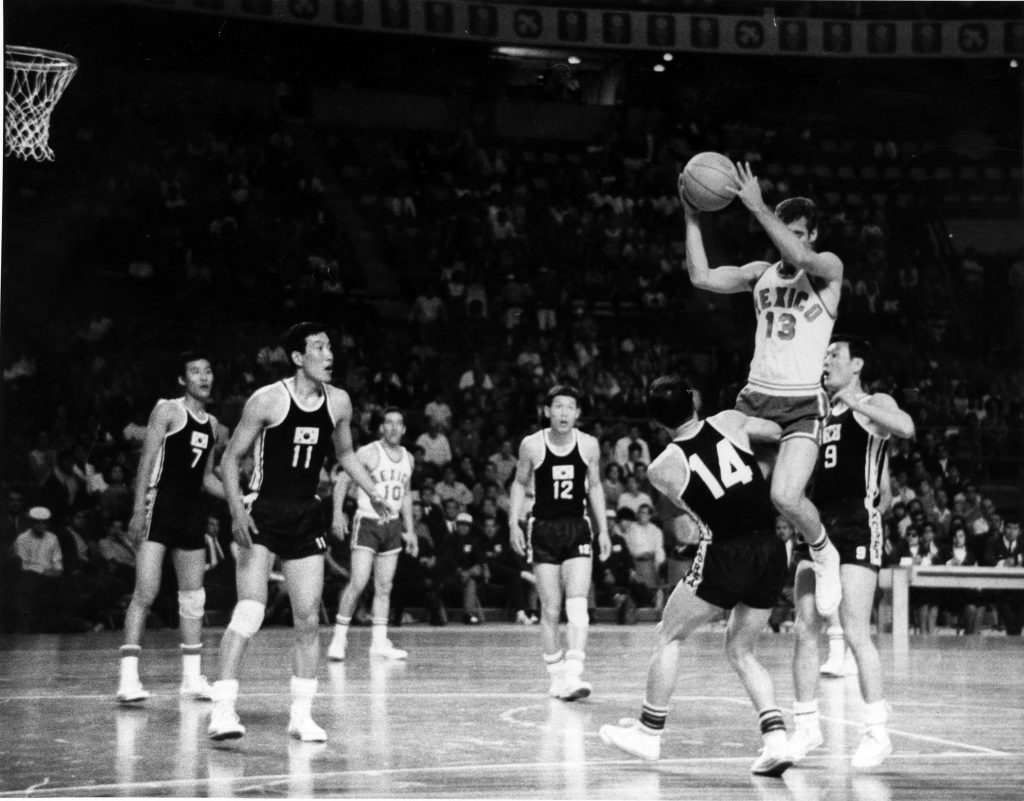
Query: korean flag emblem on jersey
[200, 440]
[306, 435]
[562, 471]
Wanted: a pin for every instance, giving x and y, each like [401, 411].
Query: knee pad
[191, 604]
[247, 617]
[576, 611]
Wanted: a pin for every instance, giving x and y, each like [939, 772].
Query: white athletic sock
[555, 664]
[805, 715]
[836, 645]
[574, 663]
[129, 668]
[225, 692]
[876, 715]
[303, 691]
[191, 661]
[379, 633]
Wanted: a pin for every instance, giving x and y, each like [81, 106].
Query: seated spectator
[963, 605]
[40, 569]
[462, 569]
[41, 459]
[450, 488]
[116, 554]
[81, 585]
[507, 570]
[783, 611]
[623, 444]
[634, 463]
[616, 580]
[1007, 551]
[418, 579]
[928, 600]
[646, 543]
[505, 462]
[115, 502]
[632, 498]
[436, 448]
[612, 484]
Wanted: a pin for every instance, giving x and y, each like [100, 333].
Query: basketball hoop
[37, 80]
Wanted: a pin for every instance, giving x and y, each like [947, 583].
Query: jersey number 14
[731, 469]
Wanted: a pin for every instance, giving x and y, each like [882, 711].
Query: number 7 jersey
[714, 475]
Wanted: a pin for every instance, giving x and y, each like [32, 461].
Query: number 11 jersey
[288, 456]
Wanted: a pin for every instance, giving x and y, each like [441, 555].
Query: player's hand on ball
[748, 190]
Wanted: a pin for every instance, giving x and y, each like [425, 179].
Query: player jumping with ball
[796, 300]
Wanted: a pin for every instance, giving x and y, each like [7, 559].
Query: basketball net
[37, 80]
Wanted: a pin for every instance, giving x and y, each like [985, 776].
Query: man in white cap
[464, 562]
[38, 551]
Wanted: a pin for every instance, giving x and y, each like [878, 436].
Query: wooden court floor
[467, 717]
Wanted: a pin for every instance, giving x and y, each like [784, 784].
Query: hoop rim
[21, 57]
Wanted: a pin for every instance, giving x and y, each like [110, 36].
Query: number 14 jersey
[723, 485]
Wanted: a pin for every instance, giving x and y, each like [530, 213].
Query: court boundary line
[275, 778]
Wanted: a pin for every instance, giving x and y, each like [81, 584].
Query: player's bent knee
[576, 611]
[247, 617]
[306, 620]
[191, 604]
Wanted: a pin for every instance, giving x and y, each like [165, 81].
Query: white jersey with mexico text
[390, 477]
[794, 326]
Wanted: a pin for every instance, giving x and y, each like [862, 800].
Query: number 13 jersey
[793, 329]
[288, 456]
[723, 485]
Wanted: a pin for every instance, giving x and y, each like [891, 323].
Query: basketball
[706, 180]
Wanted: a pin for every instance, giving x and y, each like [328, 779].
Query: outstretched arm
[795, 252]
[347, 457]
[882, 410]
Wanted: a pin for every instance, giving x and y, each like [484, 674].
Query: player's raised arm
[517, 494]
[794, 251]
[724, 280]
[341, 407]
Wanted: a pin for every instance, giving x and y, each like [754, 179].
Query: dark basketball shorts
[857, 534]
[748, 570]
[377, 537]
[289, 529]
[177, 521]
[555, 541]
[799, 416]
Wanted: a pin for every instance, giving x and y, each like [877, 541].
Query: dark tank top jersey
[288, 457]
[560, 484]
[726, 490]
[850, 464]
[181, 465]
